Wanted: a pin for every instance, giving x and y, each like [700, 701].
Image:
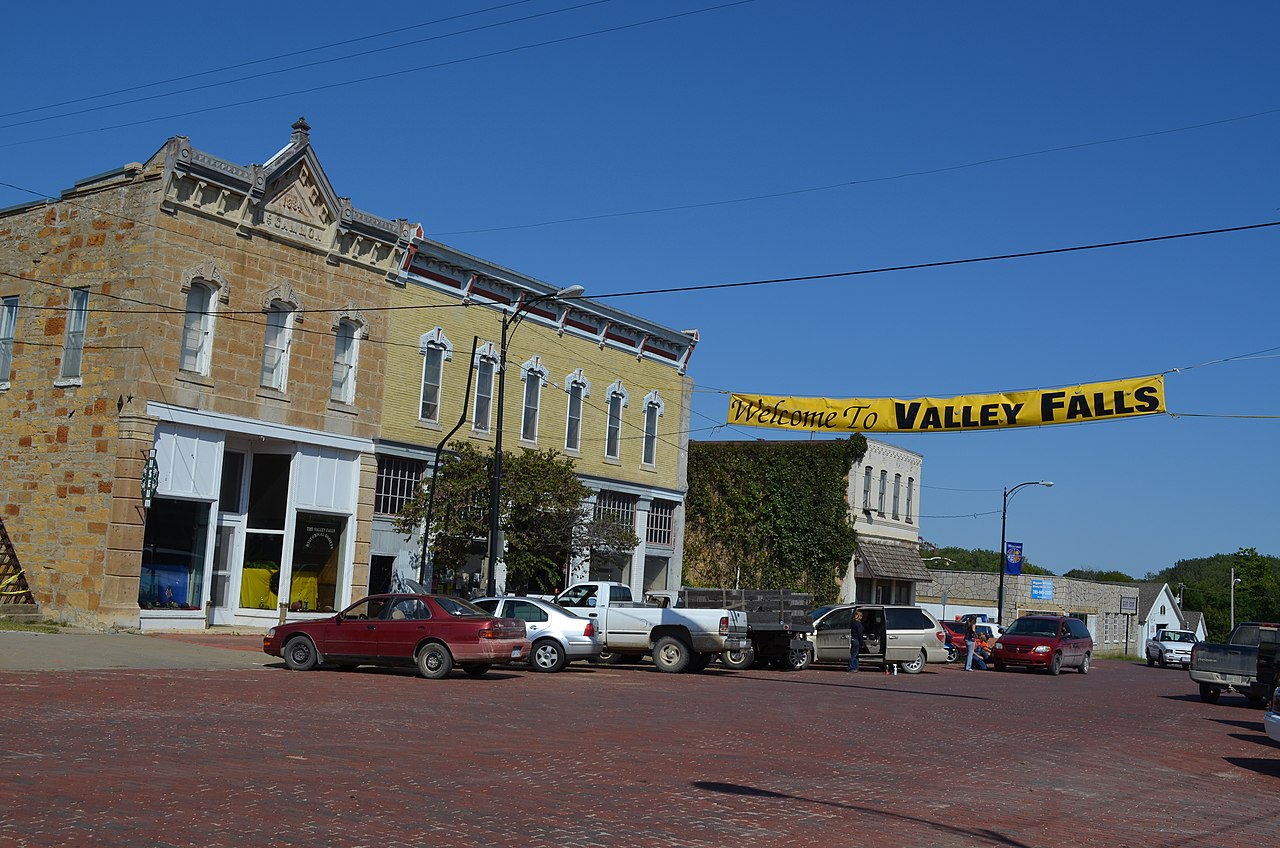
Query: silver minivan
[908, 636]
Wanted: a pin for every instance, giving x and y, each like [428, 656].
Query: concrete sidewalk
[25, 651]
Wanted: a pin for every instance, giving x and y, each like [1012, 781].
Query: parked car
[558, 636]
[1271, 721]
[1171, 647]
[1047, 642]
[955, 631]
[907, 635]
[435, 632]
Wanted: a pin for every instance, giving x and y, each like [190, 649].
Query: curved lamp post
[509, 322]
[1004, 515]
[1235, 581]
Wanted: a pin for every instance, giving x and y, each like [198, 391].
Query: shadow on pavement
[795, 681]
[1269, 767]
[989, 837]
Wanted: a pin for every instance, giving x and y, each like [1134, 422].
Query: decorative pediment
[297, 194]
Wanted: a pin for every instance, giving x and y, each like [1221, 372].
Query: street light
[1235, 581]
[509, 322]
[1004, 515]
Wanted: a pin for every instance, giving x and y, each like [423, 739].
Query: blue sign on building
[1041, 590]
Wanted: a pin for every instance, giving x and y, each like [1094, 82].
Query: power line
[304, 65]
[378, 77]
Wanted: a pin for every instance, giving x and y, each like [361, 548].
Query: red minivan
[1046, 642]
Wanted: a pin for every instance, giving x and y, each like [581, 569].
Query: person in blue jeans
[970, 640]
[856, 637]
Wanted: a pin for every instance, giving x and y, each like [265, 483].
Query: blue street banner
[1013, 558]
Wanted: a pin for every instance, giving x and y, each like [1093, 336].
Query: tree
[1208, 587]
[1100, 576]
[770, 515]
[977, 559]
[542, 516]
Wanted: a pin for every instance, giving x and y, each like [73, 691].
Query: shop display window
[317, 561]
[260, 577]
[173, 555]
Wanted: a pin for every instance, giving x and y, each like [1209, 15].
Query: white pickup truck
[1171, 647]
[677, 639]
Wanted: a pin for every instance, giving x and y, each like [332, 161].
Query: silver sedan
[558, 635]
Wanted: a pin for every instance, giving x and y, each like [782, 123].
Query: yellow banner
[1073, 405]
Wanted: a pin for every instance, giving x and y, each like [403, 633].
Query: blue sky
[857, 127]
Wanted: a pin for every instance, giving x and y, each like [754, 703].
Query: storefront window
[173, 554]
[260, 577]
[317, 561]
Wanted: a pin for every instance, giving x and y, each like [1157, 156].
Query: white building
[884, 499]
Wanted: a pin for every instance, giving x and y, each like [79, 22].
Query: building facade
[884, 502]
[212, 406]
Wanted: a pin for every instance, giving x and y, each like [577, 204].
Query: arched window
[486, 366]
[534, 375]
[577, 387]
[653, 410]
[613, 429]
[275, 348]
[197, 329]
[346, 353]
[435, 348]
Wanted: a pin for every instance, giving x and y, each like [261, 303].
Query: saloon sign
[1033, 408]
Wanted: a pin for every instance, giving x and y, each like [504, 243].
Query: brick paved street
[630, 757]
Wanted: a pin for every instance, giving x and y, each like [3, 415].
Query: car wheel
[1084, 665]
[547, 655]
[608, 657]
[738, 660]
[953, 653]
[699, 662]
[1055, 664]
[1163, 662]
[435, 661]
[477, 670]
[300, 654]
[798, 659]
[1001, 667]
[1208, 694]
[915, 666]
[1150, 661]
[671, 655]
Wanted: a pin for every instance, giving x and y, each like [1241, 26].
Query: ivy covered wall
[770, 515]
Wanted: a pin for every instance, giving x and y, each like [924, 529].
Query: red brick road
[630, 757]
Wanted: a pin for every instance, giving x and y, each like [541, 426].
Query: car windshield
[1033, 627]
[1177, 636]
[457, 606]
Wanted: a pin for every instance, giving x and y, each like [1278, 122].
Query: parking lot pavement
[628, 756]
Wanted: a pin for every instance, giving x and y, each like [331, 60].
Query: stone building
[193, 356]
[884, 502]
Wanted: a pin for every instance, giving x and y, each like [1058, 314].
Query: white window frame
[73, 339]
[8, 332]
[866, 489]
[196, 353]
[486, 357]
[654, 409]
[534, 375]
[436, 350]
[618, 401]
[897, 496]
[911, 491]
[884, 482]
[277, 339]
[578, 388]
[346, 359]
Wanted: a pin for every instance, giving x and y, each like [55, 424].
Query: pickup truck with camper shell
[1233, 666]
[778, 623]
[1170, 647]
[677, 639]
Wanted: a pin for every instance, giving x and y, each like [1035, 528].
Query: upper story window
[884, 479]
[617, 507]
[346, 354]
[197, 329]
[911, 490]
[866, 489]
[534, 375]
[577, 387]
[486, 366]
[73, 340]
[653, 409]
[397, 482]
[275, 347]
[613, 430]
[435, 348]
[8, 330]
[897, 494]
[661, 522]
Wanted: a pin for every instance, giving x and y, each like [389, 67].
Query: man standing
[856, 636]
[970, 640]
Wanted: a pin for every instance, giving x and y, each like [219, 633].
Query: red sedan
[435, 632]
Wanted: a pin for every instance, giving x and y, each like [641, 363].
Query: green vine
[770, 515]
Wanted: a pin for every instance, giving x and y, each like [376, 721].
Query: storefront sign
[1041, 590]
[1129, 606]
[1034, 408]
